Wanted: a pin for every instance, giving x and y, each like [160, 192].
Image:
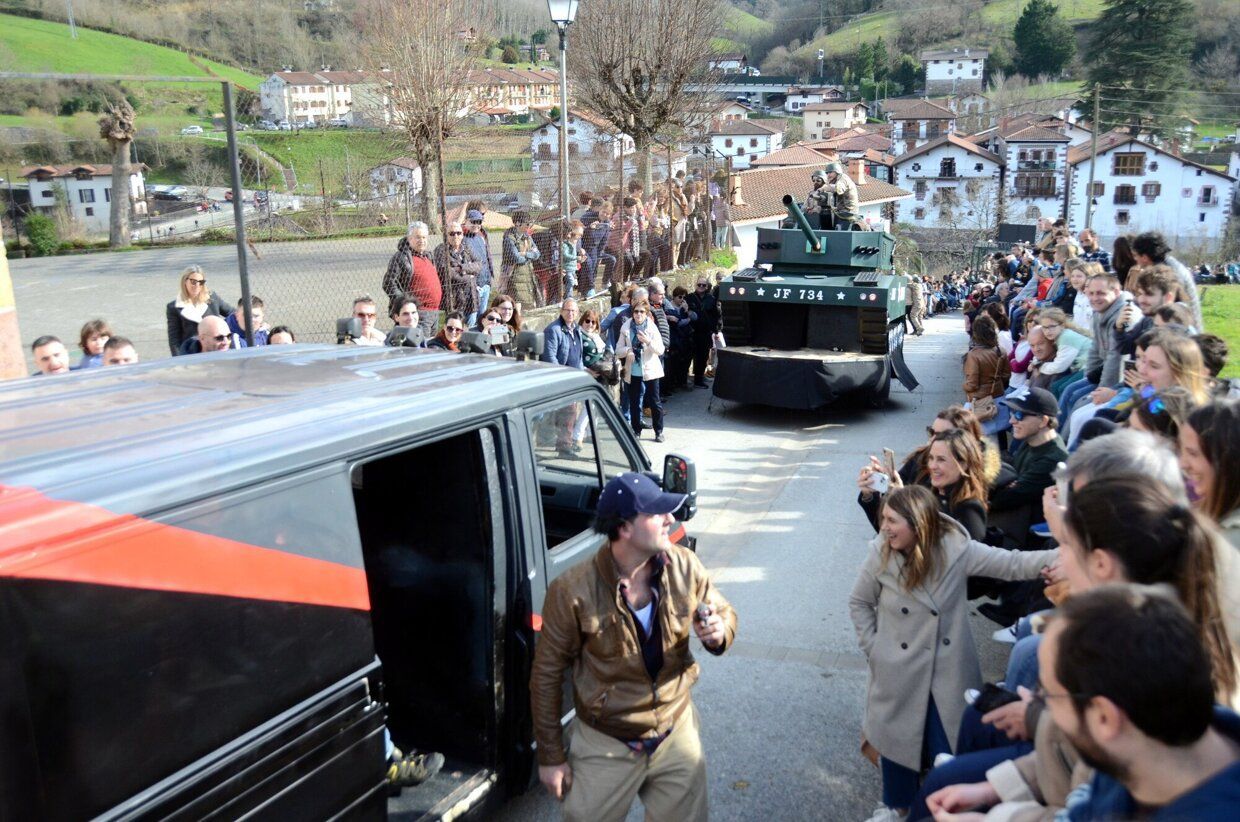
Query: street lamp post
[563, 12]
[822, 54]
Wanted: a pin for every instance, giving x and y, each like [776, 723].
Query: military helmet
[818, 175]
[834, 168]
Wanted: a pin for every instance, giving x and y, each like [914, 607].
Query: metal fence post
[234, 164]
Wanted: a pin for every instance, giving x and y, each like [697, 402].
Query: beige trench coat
[918, 642]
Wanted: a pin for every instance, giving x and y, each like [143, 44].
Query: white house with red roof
[918, 123]
[745, 141]
[955, 183]
[86, 189]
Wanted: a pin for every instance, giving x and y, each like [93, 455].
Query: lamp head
[563, 12]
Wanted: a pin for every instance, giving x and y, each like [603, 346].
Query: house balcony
[1120, 199]
[1036, 165]
[1208, 201]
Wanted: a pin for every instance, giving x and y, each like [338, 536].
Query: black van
[223, 576]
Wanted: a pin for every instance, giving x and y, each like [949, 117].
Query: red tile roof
[951, 139]
[763, 190]
[798, 154]
[104, 170]
[1038, 134]
[834, 105]
[764, 128]
[923, 110]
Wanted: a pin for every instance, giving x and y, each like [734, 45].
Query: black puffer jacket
[180, 328]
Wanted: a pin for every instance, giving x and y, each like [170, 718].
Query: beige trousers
[607, 775]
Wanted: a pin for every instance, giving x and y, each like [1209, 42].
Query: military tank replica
[825, 321]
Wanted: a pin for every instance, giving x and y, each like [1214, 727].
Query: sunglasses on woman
[196, 282]
[494, 318]
[454, 329]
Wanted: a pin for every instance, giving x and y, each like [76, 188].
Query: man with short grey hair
[411, 270]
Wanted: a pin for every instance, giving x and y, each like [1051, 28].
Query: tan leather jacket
[588, 628]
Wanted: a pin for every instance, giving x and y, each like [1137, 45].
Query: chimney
[856, 170]
[734, 197]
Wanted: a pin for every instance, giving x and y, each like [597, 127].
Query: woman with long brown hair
[911, 614]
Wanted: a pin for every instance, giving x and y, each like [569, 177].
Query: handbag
[985, 408]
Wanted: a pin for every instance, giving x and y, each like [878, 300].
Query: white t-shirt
[644, 615]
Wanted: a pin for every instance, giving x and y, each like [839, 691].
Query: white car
[284, 125]
[192, 130]
[338, 122]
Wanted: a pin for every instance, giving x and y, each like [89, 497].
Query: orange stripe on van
[44, 538]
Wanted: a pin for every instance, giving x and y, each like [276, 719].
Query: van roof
[137, 439]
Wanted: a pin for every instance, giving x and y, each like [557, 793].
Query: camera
[499, 334]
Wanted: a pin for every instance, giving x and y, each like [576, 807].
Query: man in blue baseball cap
[622, 624]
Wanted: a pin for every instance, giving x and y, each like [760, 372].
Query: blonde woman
[1072, 347]
[911, 614]
[194, 302]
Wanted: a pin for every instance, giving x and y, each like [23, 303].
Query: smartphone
[889, 460]
[879, 483]
[1061, 483]
[992, 697]
[1130, 364]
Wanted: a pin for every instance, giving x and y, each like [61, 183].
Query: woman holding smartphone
[910, 610]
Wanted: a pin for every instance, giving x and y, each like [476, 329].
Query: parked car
[192, 130]
[309, 124]
[284, 125]
[338, 122]
[267, 125]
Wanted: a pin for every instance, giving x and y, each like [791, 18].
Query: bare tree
[414, 50]
[117, 128]
[643, 65]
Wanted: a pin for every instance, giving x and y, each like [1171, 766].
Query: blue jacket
[612, 324]
[1214, 800]
[562, 346]
[234, 325]
[594, 239]
[477, 243]
[87, 361]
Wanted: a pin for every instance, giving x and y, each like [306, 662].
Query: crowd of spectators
[1088, 456]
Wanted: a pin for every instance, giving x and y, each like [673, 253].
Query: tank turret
[820, 315]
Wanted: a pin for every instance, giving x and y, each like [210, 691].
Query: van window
[576, 448]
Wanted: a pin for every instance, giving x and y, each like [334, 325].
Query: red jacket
[425, 285]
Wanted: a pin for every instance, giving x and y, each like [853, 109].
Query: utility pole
[1093, 161]
[72, 24]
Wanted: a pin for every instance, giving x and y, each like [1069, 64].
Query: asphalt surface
[780, 530]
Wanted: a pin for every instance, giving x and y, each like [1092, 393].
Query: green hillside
[1004, 13]
[741, 25]
[40, 45]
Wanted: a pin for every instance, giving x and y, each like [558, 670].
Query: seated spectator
[1149, 249]
[1214, 358]
[404, 313]
[1176, 314]
[50, 356]
[213, 335]
[1129, 683]
[192, 304]
[954, 469]
[1044, 353]
[91, 340]
[1163, 414]
[281, 335]
[1081, 311]
[919, 665]
[119, 351]
[1072, 347]
[1209, 442]
[236, 320]
[1033, 412]
[1022, 354]
[364, 309]
[449, 337]
[1157, 286]
[985, 367]
[1002, 326]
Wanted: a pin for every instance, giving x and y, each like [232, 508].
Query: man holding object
[622, 623]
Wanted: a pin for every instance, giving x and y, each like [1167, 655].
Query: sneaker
[943, 759]
[885, 814]
[406, 771]
[658, 437]
[1005, 635]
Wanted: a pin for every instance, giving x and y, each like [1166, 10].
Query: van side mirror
[348, 328]
[530, 344]
[402, 337]
[680, 477]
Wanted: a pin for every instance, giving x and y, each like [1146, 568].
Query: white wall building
[1140, 187]
[819, 117]
[747, 140]
[86, 189]
[728, 63]
[297, 96]
[952, 71]
[399, 177]
[955, 184]
[920, 123]
[800, 97]
[1036, 161]
[758, 201]
[595, 149]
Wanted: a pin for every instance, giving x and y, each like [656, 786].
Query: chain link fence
[325, 210]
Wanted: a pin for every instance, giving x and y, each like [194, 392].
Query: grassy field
[1007, 12]
[40, 45]
[1220, 308]
[745, 26]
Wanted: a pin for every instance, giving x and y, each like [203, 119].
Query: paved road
[305, 285]
[780, 529]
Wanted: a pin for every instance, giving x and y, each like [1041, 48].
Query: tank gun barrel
[798, 217]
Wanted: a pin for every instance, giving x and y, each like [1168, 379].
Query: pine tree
[1139, 54]
[881, 60]
[1044, 40]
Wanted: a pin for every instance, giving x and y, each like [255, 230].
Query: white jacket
[652, 366]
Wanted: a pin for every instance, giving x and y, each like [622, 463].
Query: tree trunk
[428, 206]
[122, 201]
[642, 158]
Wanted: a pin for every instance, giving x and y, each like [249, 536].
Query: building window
[1125, 195]
[86, 195]
[1100, 189]
[727, 143]
[1151, 190]
[919, 214]
[1035, 185]
[90, 212]
[1121, 218]
[977, 166]
[1207, 196]
[1033, 213]
[47, 194]
[753, 142]
[1128, 164]
[739, 151]
[947, 168]
[919, 188]
[974, 72]
[1201, 216]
